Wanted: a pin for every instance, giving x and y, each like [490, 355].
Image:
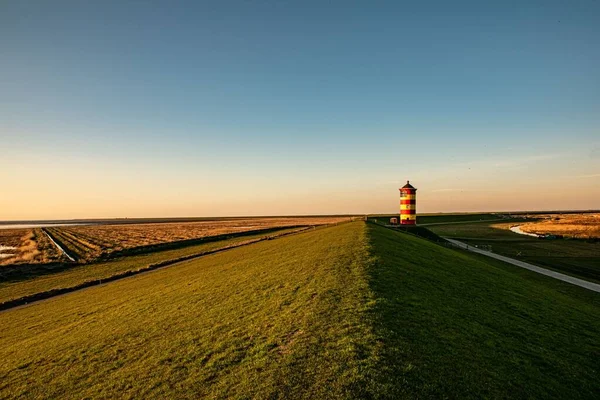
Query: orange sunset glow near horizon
[78, 189]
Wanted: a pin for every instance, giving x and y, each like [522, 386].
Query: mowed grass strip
[16, 289]
[456, 326]
[283, 318]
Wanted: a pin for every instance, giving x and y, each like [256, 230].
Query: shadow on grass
[454, 326]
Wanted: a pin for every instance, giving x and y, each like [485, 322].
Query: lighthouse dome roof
[408, 186]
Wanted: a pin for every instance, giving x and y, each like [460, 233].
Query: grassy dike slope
[284, 317]
[353, 311]
[79, 274]
[456, 326]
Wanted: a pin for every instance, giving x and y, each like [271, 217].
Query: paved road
[556, 275]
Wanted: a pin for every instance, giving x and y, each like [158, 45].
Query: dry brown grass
[581, 226]
[22, 243]
[92, 241]
[12, 237]
[31, 246]
[28, 250]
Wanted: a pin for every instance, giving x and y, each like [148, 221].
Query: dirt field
[92, 241]
[26, 246]
[581, 226]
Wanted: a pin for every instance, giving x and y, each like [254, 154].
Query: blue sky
[241, 107]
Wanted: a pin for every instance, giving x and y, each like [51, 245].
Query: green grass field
[479, 230]
[351, 311]
[278, 317]
[459, 326]
[30, 284]
[574, 257]
[444, 218]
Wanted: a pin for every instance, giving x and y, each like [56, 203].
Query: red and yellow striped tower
[408, 205]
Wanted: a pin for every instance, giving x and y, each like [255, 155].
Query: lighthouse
[408, 205]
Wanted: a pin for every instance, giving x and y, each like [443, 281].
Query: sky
[163, 109]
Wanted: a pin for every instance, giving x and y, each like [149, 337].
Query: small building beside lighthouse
[408, 204]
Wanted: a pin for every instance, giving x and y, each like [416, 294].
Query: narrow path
[556, 275]
[58, 246]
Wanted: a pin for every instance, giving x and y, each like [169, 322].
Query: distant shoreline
[115, 221]
[108, 221]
